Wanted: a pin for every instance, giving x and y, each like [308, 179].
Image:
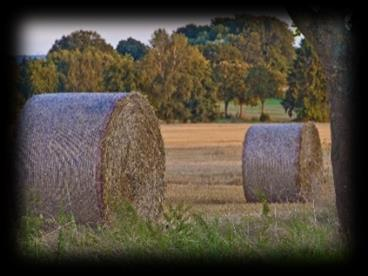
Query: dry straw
[84, 152]
[282, 162]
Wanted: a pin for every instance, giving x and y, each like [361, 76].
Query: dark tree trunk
[331, 37]
[226, 107]
[240, 110]
[262, 107]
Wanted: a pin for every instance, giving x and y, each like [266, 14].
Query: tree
[41, 76]
[261, 84]
[250, 47]
[87, 70]
[260, 40]
[228, 72]
[244, 97]
[23, 85]
[276, 44]
[219, 52]
[306, 95]
[177, 78]
[234, 25]
[331, 36]
[198, 35]
[276, 41]
[263, 40]
[132, 47]
[81, 40]
[229, 69]
[85, 62]
[120, 74]
[230, 76]
[79, 70]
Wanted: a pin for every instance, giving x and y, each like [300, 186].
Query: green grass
[251, 113]
[184, 235]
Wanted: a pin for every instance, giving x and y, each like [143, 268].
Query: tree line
[243, 59]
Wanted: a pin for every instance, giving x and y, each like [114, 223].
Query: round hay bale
[282, 162]
[84, 152]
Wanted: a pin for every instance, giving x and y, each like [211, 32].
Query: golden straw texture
[78, 152]
[281, 162]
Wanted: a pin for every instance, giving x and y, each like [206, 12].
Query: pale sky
[36, 34]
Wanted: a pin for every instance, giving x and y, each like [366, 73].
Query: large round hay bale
[282, 162]
[84, 152]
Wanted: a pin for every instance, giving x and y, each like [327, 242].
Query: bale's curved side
[277, 162]
[62, 145]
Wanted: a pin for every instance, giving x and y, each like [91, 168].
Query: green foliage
[81, 40]
[41, 76]
[119, 74]
[230, 79]
[261, 84]
[254, 41]
[249, 45]
[217, 53]
[29, 235]
[198, 34]
[177, 220]
[242, 59]
[307, 93]
[79, 70]
[93, 70]
[21, 79]
[132, 47]
[272, 106]
[265, 117]
[229, 71]
[67, 233]
[261, 196]
[276, 42]
[177, 79]
[262, 40]
[188, 236]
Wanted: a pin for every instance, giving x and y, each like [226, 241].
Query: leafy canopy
[177, 79]
[306, 95]
[132, 47]
[81, 40]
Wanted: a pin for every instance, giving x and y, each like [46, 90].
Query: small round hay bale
[282, 162]
[81, 153]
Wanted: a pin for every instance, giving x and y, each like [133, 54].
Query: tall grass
[184, 235]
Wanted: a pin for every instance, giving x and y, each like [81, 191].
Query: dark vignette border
[11, 18]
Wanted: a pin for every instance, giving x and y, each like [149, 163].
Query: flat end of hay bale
[133, 136]
[310, 174]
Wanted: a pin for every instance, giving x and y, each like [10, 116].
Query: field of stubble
[205, 213]
[203, 170]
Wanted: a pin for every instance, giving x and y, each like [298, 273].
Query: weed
[183, 234]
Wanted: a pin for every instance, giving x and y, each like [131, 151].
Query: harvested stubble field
[205, 213]
[203, 170]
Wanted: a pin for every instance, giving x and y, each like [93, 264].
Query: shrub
[265, 117]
